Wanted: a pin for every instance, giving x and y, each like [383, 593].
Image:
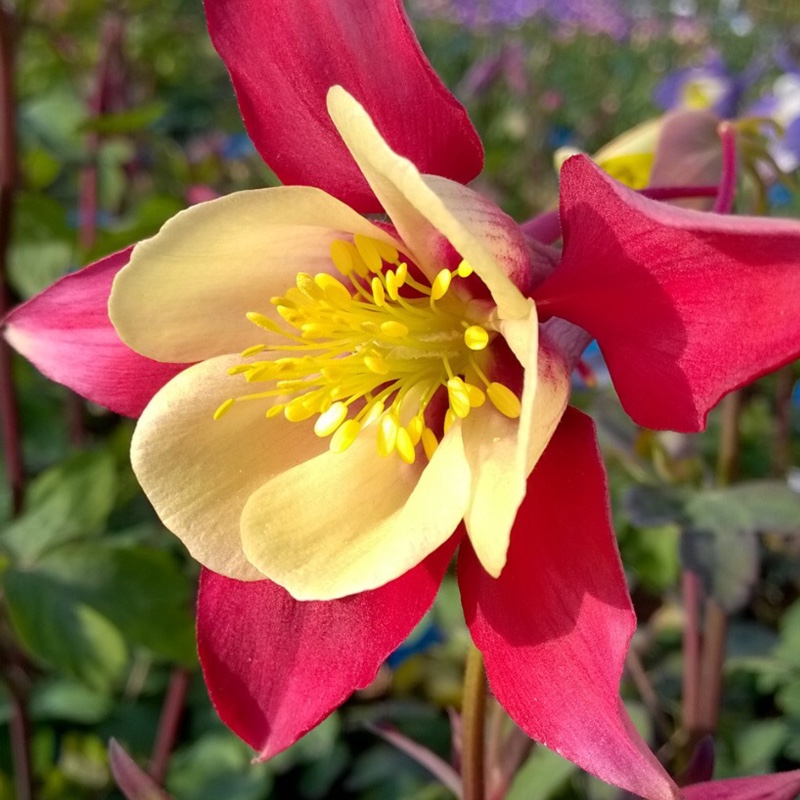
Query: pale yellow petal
[349, 522]
[199, 472]
[427, 210]
[503, 452]
[184, 295]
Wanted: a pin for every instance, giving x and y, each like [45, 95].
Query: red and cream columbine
[397, 375]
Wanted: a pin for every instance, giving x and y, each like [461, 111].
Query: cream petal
[199, 472]
[503, 452]
[345, 523]
[184, 295]
[429, 211]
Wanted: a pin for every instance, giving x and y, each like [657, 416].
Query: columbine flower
[376, 382]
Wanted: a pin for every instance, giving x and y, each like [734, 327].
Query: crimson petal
[686, 306]
[780, 786]
[554, 627]
[275, 667]
[284, 56]
[66, 333]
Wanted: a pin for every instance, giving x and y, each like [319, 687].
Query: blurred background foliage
[124, 116]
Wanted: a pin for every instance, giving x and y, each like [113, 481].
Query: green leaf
[759, 744]
[69, 700]
[62, 631]
[218, 765]
[542, 775]
[34, 265]
[128, 121]
[40, 167]
[756, 507]
[654, 506]
[727, 564]
[141, 591]
[72, 500]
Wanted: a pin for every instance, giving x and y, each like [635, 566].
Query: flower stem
[171, 713]
[782, 445]
[691, 655]
[9, 415]
[473, 713]
[727, 185]
[14, 675]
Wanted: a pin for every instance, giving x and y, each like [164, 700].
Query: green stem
[472, 721]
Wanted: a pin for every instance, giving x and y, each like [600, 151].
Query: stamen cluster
[374, 349]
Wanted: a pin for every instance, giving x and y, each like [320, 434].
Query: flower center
[373, 350]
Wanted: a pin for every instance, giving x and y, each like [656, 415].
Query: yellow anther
[342, 256]
[263, 322]
[273, 411]
[375, 410]
[477, 397]
[335, 292]
[504, 400]
[385, 251]
[402, 273]
[387, 434]
[251, 351]
[367, 250]
[415, 427]
[224, 408]
[464, 269]
[476, 337]
[315, 330]
[297, 411]
[345, 435]
[429, 443]
[449, 419]
[392, 289]
[239, 369]
[307, 285]
[378, 293]
[377, 364]
[289, 314]
[458, 396]
[405, 447]
[394, 329]
[440, 285]
[328, 421]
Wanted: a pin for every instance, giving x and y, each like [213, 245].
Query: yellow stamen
[368, 250]
[224, 408]
[429, 443]
[342, 256]
[476, 337]
[387, 434]
[504, 400]
[405, 447]
[464, 269]
[345, 436]
[441, 284]
[328, 421]
[373, 348]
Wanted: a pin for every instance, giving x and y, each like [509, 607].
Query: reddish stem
[692, 591]
[9, 415]
[727, 185]
[171, 713]
[13, 675]
[716, 629]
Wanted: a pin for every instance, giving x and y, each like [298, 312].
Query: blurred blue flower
[710, 85]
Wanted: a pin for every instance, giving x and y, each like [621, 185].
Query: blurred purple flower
[709, 86]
